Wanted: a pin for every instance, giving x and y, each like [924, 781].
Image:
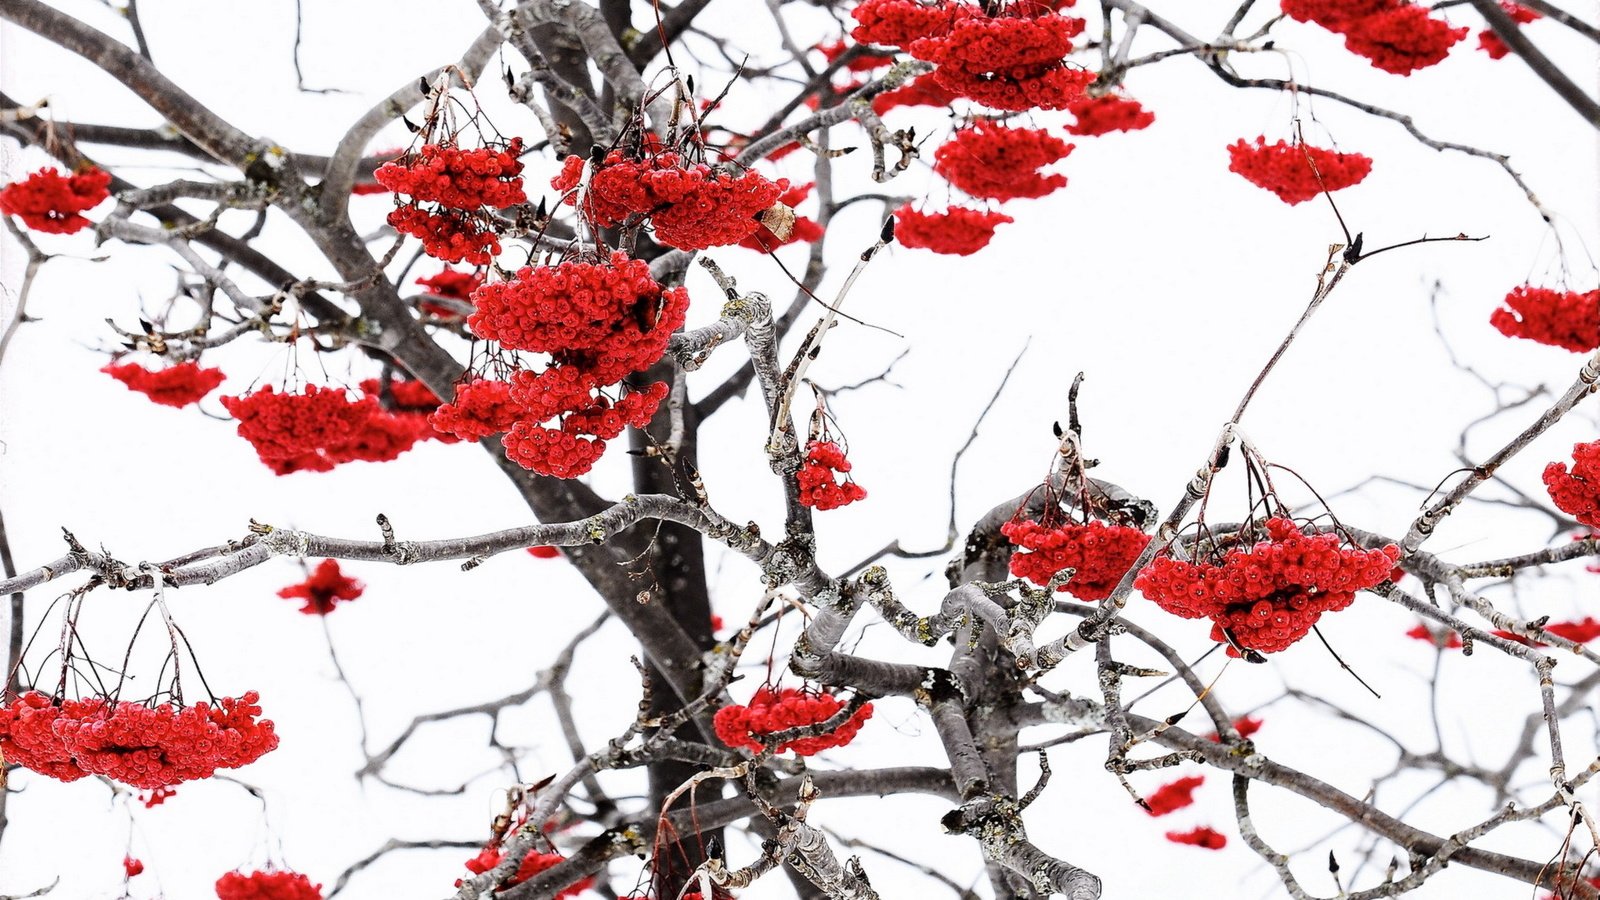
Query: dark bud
[714, 847]
[1056, 427]
[1175, 718]
[511, 80]
[597, 154]
[148, 328]
[1333, 863]
[886, 235]
[647, 312]
[1352, 253]
[410, 126]
[424, 86]
[1268, 45]
[689, 80]
[1222, 458]
[543, 212]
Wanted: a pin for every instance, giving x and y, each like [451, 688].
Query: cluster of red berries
[1296, 172]
[450, 285]
[1173, 796]
[1268, 596]
[544, 552]
[867, 61]
[896, 23]
[1102, 115]
[324, 587]
[1012, 63]
[275, 885]
[532, 864]
[1566, 319]
[462, 187]
[481, 407]
[178, 385]
[1582, 631]
[803, 229]
[691, 207]
[54, 203]
[817, 486]
[958, 231]
[324, 427]
[1245, 725]
[1446, 638]
[1490, 43]
[1394, 35]
[1576, 492]
[1100, 553]
[1203, 836]
[1000, 163]
[142, 746]
[772, 711]
[923, 91]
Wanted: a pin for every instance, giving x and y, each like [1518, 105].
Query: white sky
[1163, 276]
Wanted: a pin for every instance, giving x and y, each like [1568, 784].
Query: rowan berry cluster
[958, 231]
[1000, 163]
[1245, 725]
[690, 207]
[1102, 115]
[451, 285]
[1566, 319]
[1296, 172]
[1446, 638]
[896, 23]
[1267, 596]
[54, 203]
[544, 552]
[1490, 43]
[804, 228]
[141, 746]
[178, 385]
[532, 864]
[324, 587]
[1101, 553]
[1576, 492]
[1204, 837]
[1582, 631]
[1012, 63]
[275, 885]
[1394, 35]
[866, 61]
[1173, 796]
[462, 187]
[323, 427]
[817, 486]
[923, 91]
[481, 407]
[771, 711]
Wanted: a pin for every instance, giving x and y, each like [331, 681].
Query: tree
[589, 210]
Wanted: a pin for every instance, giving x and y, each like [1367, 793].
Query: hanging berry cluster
[324, 587]
[802, 229]
[1566, 319]
[275, 885]
[690, 206]
[923, 91]
[957, 231]
[1100, 552]
[1204, 837]
[53, 203]
[1576, 492]
[178, 385]
[481, 407]
[452, 195]
[1014, 60]
[1296, 172]
[818, 488]
[1103, 115]
[1490, 43]
[449, 285]
[769, 712]
[1000, 163]
[1173, 796]
[1397, 36]
[532, 864]
[141, 746]
[323, 427]
[600, 323]
[1268, 596]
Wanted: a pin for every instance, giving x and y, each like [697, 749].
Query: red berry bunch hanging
[817, 487]
[294, 431]
[803, 229]
[867, 61]
[1203, 837]
[481, 408]
[896, 23]
[1490, 43]
[178, 385]
[691, 207]
[277, 885]
[1576, 492]
[1582, 632]
[1000, 163]
[958, 231]
[772, 711]
[1101, 553]
[324, 587]
[1270, 595]
[1245, 725]
[1394, 35]
[54, 203]
[532, 864]
[450, 285]
[923, 91]
[1012, 63]
[1334, 15]
[1566, 319]
[451, 195]
[1102, 115]
[142, 746]
[1446, 638]
[1174, 795]
[1296, 172]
